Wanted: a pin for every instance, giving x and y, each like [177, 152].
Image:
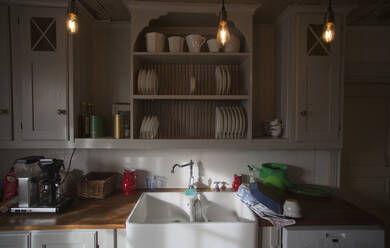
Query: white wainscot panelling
[211, 165]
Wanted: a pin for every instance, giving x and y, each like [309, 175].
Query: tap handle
[216, 189]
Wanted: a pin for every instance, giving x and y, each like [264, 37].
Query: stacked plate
[149, 127]
[223, 79]
[147, 82]
[230, 122]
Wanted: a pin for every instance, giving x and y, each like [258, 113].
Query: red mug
[129, 183]
[237, 181]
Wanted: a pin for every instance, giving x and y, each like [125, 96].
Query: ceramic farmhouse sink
[162, 220]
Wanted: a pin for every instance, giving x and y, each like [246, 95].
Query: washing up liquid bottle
[251, 174]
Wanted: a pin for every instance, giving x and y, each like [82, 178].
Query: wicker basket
[97, 185]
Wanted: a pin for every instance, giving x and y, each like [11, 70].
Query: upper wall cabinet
[5, 76]
[310, 76]
[42, 63]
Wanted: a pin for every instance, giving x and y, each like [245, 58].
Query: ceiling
[364, 12]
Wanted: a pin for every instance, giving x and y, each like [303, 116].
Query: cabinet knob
[3, 111]
[304, 113]
[61, 111]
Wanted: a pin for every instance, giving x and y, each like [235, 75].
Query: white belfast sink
[161, 220]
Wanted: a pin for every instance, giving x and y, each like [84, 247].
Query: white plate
[148, 127]
[223, 81]
[229, 80]
[225, 123]
[142, 82]
[237, 121]
[229, 120]
[142, 128]
[233, 120]
[218, 123]
[218, 79]
[241, 121]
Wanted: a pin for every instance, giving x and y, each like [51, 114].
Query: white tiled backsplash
[211, 165]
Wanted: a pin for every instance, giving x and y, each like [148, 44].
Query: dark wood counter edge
[337, 212]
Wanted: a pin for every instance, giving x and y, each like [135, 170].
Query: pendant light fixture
[223, 34]
[329, 25]
[72, 22]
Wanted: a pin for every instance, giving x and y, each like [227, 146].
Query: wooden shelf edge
[191, 97]
[189, 54]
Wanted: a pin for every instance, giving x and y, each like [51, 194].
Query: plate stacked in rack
[147, 82]
[149, 127]
[230, 122]
[223, 80]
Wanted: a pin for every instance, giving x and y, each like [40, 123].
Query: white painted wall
[212, 165]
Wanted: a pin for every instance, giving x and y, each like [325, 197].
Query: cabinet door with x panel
[318, 80]
[43, 45]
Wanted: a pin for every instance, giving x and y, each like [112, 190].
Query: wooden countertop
[112, 212]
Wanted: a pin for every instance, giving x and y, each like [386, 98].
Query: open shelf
[191, 97]
[187, 57]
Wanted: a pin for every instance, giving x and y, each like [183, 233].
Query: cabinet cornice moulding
[45, 3]
[312, 9]
[189, 7]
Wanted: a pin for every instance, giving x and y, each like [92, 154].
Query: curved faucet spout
[190, 164]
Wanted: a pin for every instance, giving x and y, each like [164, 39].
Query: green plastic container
[276, 175]
[97, 126]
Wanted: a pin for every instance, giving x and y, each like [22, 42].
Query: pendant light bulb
[223, 34]
[329, 31]
[72, 23]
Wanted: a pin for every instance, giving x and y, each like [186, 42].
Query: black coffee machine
[49, 185]
[50, 199]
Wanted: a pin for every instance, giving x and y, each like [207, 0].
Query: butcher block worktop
[112, 212]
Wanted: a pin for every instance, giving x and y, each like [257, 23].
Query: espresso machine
[44, 189]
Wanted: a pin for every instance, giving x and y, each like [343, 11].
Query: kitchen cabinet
[15, 240]
[83, 238]
[42, 44]
[309, 76]
[65, 239]
[5, 76]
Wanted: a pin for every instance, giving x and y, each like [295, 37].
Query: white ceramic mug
[291, 208]
[233, 44]
[213, 45]
[195, 42]
[155, 42]
[176, 44]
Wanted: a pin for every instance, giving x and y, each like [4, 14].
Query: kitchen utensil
[151, 182]
[97, 126]
[129, 183]
[233, 44]
[155, 42]
[213, 45]
[195, 42]
[176, 44]
[291, 208]
[237, 182]
[119, 126]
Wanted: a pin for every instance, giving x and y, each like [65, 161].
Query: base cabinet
[15, 240]
[82, 238]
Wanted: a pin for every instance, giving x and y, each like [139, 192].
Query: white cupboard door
[14, 240]
[43, 44]
[318, 82]
[5, 76]
[64, 239]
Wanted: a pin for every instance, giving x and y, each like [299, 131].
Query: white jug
[195, 42]
[176, 44]
[233, 44]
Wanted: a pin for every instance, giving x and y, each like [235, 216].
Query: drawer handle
[3, 111]
[303, 113]
[61, 112]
